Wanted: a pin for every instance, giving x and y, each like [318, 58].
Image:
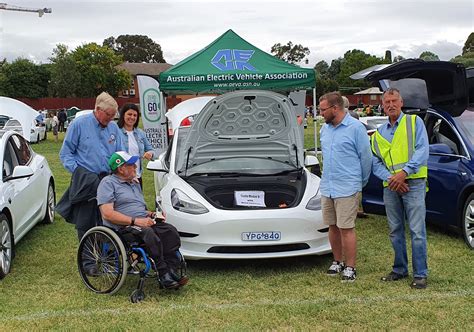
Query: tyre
[50, 205]
[6, 246]
[467, 221]
[102, 260]
[137, 296]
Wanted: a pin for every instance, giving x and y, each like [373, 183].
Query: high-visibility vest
[397, 153]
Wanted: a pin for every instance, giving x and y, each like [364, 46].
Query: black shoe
[167, 281]
[419, 283]
[393, 276]
[181, 280]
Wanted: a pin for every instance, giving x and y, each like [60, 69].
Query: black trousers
[161, 243]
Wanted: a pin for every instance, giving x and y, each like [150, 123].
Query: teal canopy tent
[231, 63]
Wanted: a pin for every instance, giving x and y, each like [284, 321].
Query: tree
[466, 59]
[23, 78]
[97, 66]
[398, 58]
[469, 44]
[355, 61]
[136, 48]
[65, 76]
[324, 83]
[289, 52]
[428, 56]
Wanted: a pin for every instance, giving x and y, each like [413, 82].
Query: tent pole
[315, 123]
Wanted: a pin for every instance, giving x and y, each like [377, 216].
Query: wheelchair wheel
[102, 260]
[137, 296]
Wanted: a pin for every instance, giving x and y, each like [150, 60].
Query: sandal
[393, 276]
[419, 283]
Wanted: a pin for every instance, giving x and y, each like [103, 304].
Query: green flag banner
[231, 63]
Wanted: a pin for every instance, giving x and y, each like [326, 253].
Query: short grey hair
[104, 101]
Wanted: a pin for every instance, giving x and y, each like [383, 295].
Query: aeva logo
[233, 60]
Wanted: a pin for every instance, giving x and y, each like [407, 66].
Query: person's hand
[148, 155]
[144, 222]
[397, 183]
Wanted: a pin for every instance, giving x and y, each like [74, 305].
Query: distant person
[347, 163]
[55, 126]
[346, 108]
[401, 151]
[62, 117]
[90, 141]
[134, 139]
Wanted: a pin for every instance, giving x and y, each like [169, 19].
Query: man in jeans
[347, 160]
[401, 152]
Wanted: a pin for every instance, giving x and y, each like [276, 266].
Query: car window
[9, 160]
[466, 123]
[22, 149]
[440, 131]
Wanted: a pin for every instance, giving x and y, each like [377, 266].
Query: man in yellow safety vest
[401, 150]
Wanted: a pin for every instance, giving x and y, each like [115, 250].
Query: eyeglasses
[109, 114]
[325, 109]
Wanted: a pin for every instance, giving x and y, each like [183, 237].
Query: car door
[26, 203]
[445, 168]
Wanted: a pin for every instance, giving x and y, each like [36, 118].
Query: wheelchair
[114, 259]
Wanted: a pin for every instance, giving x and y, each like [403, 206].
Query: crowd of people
[104, 159]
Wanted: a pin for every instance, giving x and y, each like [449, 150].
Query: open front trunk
[279, 191]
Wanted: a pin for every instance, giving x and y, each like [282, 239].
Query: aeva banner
[152, 106]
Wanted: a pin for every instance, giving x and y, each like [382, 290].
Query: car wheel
[50, 205]
[6, 246]
[467, 223]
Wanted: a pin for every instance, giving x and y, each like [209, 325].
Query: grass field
[44, 290]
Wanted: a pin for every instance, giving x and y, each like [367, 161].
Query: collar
[389, 125]
[121, 180]
[345, 121]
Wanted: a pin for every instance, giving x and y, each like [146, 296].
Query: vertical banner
[153, 110]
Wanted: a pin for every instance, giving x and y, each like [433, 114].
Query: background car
[26, 119]
[27, 194]
[449, 120]
[234, 182]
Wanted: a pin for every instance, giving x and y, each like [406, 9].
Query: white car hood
[185, 109]
[255, 124]
[19, 111]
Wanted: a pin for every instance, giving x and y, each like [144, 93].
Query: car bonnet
[254, 124]
[446, 82]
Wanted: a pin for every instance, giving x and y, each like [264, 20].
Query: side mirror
[156, 166]
[20, 172]
[310, 161]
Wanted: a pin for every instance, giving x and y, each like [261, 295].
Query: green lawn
[44, 290]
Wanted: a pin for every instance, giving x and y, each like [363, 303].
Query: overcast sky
[328, 28]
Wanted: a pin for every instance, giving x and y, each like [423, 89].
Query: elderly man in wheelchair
[134, 240]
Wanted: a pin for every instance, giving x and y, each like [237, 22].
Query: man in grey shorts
[347, 160]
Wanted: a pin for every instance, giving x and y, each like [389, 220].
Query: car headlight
[183, 203]
[315, 202]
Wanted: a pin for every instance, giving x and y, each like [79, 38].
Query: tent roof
[369, 91]
[231, 63]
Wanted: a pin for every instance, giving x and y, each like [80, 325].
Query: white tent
[19, 111]
[369, 91]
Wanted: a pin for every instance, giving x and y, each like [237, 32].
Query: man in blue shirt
[404, 175]
[347, 159]
[89, 143]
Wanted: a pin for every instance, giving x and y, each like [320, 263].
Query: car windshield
[466, 122]
[228, 165]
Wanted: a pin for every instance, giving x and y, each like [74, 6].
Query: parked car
[449, 122]
[37, 133]
[234, 183]
[27, 194]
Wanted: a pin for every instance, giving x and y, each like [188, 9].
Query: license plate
[261, 236]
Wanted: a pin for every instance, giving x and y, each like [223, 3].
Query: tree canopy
[22, 78]
[136, 48]
[429, 56]
[289, 52]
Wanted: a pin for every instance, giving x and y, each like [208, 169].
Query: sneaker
[335, 268]
[348, 274]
